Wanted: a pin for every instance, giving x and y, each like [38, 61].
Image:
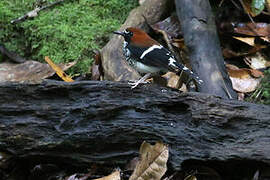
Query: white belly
[145, 69]
[140, 67]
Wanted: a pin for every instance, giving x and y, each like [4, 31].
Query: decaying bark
[199, 30]
[115, 67]
[80, 123]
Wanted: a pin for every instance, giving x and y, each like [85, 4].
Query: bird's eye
[129, 33]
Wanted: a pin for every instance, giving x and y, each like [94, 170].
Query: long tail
[189, 72]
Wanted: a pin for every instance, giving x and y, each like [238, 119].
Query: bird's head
[136, 36]
[128, 33]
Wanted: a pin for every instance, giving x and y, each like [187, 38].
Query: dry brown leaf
[183, 88]
[30, 71]
[114, 176]
[58, 70]
[152, 164]
[243, 80]
[96, 68]
[238, 73]
[265, 39]
[248, 40]
[252, 29]
[172, 80]
[245, 85]
[231, 67]
[257, 61]
[256, 73]
[243, 72]
[190, 177]
[227, 53]
[170, 26]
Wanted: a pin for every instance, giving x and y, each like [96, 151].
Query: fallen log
[80, 123]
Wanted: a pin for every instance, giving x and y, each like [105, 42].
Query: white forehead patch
[150, 49]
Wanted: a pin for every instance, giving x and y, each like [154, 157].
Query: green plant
[67, 32]
[266, 88]
[262, 93]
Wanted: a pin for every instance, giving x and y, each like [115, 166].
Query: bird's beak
[119, 33]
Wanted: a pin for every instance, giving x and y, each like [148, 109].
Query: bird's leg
[140, 81]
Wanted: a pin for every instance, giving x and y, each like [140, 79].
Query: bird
[148, 56]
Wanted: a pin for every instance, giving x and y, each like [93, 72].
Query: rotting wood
[86, 122]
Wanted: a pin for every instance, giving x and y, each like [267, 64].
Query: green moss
[262, 93]
[266, 88]
[67, 32]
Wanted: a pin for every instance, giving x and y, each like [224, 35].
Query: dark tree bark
[200, 35]
[76, 124]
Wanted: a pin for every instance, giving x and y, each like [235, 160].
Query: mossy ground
[67, 32]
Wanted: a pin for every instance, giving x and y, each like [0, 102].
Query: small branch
[11, 55]
[34, 12]
[235, 4]
[245, 9]
[220, 4]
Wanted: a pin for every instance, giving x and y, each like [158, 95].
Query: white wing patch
[185, 68]
[172, 62]
[150, 49]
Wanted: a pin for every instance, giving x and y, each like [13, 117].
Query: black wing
[158, 56]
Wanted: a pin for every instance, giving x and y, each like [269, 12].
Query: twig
[235, 4]
[51, 4]
[254, 96]
[266, 13]
[34, 12]
[220, 4]
[245, 8]
[11, 55]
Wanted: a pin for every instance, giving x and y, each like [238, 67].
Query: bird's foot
[140, 81]
[136, 83]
